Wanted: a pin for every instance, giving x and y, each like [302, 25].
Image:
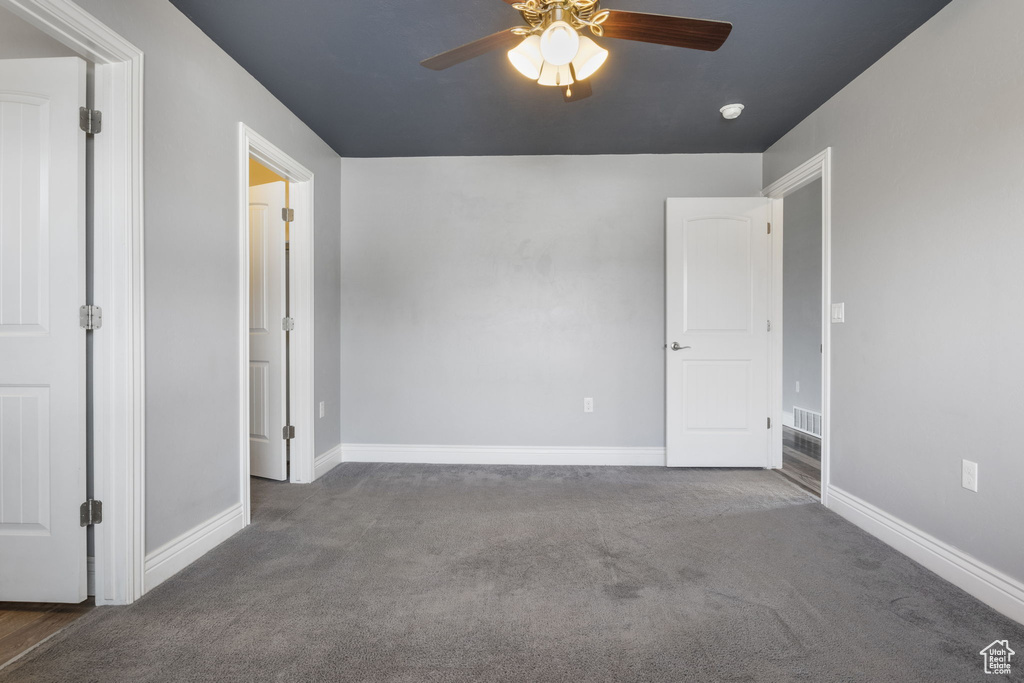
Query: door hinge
[769, 423]
[288, 215]
[90, 317]
[769, 325]
[289, 432]
[288, 324]
[769, 228]
[91, 512]
[90, 120]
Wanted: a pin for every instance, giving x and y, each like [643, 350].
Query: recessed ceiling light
[731, 111]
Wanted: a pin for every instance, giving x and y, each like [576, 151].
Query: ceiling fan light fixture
[556, 75]
[526, 57]
[589, 59]
[559, 43]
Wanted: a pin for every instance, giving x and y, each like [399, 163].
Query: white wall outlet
[970, 475]
[839, 313]
[798, 386]
[322, 413]
[588, 405]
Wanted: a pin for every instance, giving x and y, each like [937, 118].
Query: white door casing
[42, 346]
[267, 448]
[252, 145]
[717, 303]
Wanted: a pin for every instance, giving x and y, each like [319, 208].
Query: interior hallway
[24, 625]
[461, 573]
[801, 460]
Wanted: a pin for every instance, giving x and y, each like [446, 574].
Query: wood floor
[801, 459]
[25, 624]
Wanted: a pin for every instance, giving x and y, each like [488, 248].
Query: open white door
[268, 455]
[716, 296]
[42, 346]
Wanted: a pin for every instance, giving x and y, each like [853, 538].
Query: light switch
[838, 313]
[969, 475]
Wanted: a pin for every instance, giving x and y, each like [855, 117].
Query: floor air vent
[807, 421]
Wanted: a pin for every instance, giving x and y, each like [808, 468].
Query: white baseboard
[171, 558]
[503, 455]
[997, 590]
[787, 419]
[325, 462]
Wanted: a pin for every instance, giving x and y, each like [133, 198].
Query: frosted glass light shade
[559, 43]
[589, 59]
[526, 57]
[555, 75]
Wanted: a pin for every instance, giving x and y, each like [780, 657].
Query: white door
[268, 455]
[42, 346]
[717, 297]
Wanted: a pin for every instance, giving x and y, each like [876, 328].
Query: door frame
[253, 145]
[818, 167]
[119, 346]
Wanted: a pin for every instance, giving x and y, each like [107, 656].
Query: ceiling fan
[553, 51]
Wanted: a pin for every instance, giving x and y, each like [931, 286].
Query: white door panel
[717, 314]
[42, 347]
[268, 455]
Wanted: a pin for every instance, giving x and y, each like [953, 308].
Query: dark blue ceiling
[350, 70]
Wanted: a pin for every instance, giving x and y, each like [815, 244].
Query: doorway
[802, 423]
[275, 316]
[802, 214]
[49, 251]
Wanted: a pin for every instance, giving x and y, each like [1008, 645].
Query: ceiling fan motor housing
[576, 13]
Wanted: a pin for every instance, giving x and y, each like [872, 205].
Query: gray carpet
[441, 573]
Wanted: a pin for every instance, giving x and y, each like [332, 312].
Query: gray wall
[21, 40]
[801, 287]
[928, 252]
[195, 95]
[484, 297]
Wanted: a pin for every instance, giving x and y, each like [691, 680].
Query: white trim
[252, 144]
[172, 557]
[325, 462]
[504, 455]
[776, 334]
[801, 176]
[996, 589]
[119, 347]
[820, 166]
[303, 446]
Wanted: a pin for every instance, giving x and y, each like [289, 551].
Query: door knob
[677, 347]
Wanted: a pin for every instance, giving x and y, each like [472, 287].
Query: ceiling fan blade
[580, 90]
[696, 34]
[502, 40]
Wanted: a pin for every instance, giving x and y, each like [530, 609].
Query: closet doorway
[275, 316]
